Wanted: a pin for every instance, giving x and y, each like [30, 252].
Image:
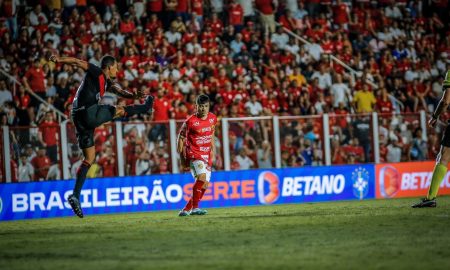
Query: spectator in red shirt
[49, 136]
[267, 9]
[155, 7]
[384, 105]
[108, 162]
[236, 16]
[41, 164]
[340, 14]
[162, 112]
[34, 80]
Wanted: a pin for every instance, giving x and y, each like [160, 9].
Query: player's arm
[70, 60]
[443, 104]
[181, 139]
[213, 146]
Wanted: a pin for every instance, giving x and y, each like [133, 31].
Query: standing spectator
[36, 16]
[155, 7]
[264, 155]
[254, 105]
[41, 164]
[162, 113]
[107, 162]
[340, 92]
[248, 9]
[280, 38]
[364, 100]
[324, 77]
[143, 164]
[26, 170]
[51, 35]
[267, 9]
[236, 16]
[341, 14]
[49, 136]
[244, 161]
[5, 94]
[34, 80]
[197, 11]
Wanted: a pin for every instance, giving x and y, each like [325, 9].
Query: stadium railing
[269, 141]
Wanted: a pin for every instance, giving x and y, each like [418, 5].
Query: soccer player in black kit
[87, 114]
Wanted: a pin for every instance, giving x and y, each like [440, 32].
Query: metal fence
[142, 148]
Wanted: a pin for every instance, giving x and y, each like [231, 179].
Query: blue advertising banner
[170, 192]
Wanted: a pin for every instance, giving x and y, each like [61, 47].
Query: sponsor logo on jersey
[196, 124]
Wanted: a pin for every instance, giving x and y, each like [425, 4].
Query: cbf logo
[271, 180]
[360, 178]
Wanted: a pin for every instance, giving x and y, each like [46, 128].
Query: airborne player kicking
[196, 148]
[87, 114]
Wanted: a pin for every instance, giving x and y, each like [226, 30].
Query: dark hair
[107, 61]
[202, 99]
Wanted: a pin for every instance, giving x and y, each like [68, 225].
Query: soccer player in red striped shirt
[196, 148]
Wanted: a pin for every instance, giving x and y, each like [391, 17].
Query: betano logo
[389, 181]
[360, 178]
[274, 189]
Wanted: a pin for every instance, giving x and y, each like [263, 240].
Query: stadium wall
[233, 188]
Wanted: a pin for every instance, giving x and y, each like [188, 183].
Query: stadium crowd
[239, 53]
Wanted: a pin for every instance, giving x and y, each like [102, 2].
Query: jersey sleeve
[94, 70]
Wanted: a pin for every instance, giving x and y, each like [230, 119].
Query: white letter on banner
[315, 188]
[127, 196]
[140, 193]
[177, 197]
[327, 185]
[85, 194]
[113, 196]
[308, 180]
[55, 201]
[66, 195]
[405, 181]
[37, 199]
[297, 187]
[157, 193]
[287, 186]
[95, 201]
[339, 183]
[20, 202]
[446, 181]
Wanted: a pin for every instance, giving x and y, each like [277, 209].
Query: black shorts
[87, 119]
[446, 138]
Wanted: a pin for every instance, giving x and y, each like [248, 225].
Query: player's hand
[432, 122]
[53, 58]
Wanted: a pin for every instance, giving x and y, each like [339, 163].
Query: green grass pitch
[374, 234]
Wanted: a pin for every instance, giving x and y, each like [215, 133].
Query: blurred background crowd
[245, 55]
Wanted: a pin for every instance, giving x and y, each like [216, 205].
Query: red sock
[202, 193]
[196, 193]
[188, 206]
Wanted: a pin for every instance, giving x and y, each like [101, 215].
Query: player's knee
[202, 177]
[205, 185]
[443, 156]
